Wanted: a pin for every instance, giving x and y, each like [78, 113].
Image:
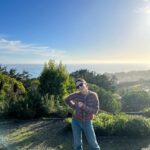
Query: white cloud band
[10, 46]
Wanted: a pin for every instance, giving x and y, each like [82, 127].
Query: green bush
[101, 123]
[19, 109]
[134, 101]
[68, 124]
[8, 85]
[109, 101]
[146, 112]
[61, 111]
[119, 125]
[10, 90]
[33, 105]
[137, 125]
[58, 109]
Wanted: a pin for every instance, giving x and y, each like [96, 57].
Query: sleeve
[95, 105]
[69, 100]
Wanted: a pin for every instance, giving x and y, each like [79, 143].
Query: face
[81, 85]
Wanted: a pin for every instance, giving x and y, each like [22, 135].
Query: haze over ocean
[35, 69]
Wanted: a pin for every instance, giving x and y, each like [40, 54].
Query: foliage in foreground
[119, 125]
[146, 112]
[10, 89]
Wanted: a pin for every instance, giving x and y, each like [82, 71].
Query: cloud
[15, 47]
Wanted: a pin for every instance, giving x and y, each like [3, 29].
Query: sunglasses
[80, 85]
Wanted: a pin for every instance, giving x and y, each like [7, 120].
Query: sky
[74, 31]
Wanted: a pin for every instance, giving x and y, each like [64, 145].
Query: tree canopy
[103, 80]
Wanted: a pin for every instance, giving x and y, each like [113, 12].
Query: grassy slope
[49, 135]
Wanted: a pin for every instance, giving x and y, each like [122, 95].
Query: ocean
[35, 69]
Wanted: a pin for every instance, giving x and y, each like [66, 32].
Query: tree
[10, 90]
[23, 77]
[109, 101]
[135, 100]
[54, 80]
[104, 81]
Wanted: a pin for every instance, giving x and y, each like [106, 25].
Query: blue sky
[75, 31]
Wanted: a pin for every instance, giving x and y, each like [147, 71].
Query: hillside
[131, 76]
[50, 135]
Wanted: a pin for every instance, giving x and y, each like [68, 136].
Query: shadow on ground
[50, 135]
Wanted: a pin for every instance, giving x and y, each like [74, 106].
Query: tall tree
[54, 79]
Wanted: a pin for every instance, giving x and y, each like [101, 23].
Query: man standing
[85, 103]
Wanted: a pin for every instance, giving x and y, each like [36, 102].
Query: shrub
[109, 101]
[120, 125]
[137, 125]
[33, 105]
[101, 123]
[146, 112]
[135, 101]
[117, 125]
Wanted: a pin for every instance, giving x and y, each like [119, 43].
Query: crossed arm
[80, 105]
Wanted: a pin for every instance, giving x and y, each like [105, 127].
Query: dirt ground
[50, 135]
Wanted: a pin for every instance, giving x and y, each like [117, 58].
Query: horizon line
[79, 63]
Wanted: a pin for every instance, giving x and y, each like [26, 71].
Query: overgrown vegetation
[135, 100]
[106, 124]
[27, 98]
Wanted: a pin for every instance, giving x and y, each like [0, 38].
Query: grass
[50, 135]
[38, 134]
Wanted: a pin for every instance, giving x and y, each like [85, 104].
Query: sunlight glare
[148, 19]
[147, 12]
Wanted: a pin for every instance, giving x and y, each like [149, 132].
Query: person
[85, 104]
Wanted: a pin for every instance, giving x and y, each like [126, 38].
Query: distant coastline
[35, 69]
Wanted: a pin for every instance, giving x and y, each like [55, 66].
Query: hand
[80, 104]
[72, 102]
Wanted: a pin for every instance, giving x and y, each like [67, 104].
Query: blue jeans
[87, 127]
